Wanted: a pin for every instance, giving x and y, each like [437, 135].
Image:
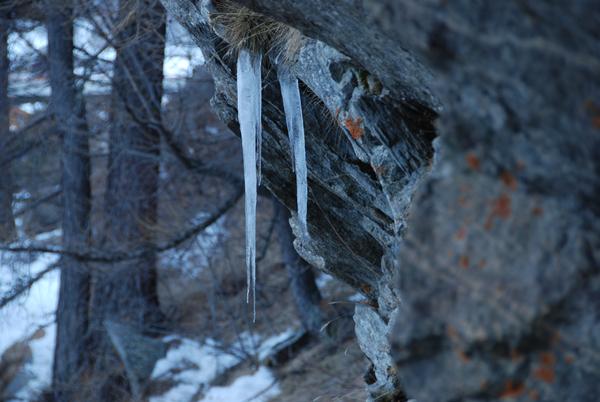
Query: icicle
[249, 115]
[292, 105]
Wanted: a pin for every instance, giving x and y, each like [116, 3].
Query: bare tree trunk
[126, 292]
[7, 221]
[72, 318]
[302, 278]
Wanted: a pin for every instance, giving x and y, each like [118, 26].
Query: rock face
[487, 279]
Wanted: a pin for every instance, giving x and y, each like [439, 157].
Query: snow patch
[35, 309]
[257, 387]
[269, 344]
[193, 366]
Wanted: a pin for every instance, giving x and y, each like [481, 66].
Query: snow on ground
[35, 309]
[267, 346]
[257, 387]
[193, 366]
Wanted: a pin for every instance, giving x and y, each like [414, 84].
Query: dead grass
[246, 29]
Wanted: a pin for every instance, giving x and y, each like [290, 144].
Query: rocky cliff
[454, 158]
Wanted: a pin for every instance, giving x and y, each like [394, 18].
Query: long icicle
[292, 104]
[249, 85]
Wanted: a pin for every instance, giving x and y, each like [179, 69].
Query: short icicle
[249, 84]
[292, 105]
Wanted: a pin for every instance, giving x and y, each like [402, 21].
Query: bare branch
[24, 285]
[102, 257]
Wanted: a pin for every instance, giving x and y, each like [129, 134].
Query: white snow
[357, 298]
[257, 387]
[193, 366]
[22, 317]
[267, 346]
[182, 55]
[323, 279]
[33, 310]
[32, 107]
[249, 85]
[40, 368]
[25, 43]
[292, 104]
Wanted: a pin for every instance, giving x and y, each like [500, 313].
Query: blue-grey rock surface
[481, 262]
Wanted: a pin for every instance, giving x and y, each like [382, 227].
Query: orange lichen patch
[537, 211]
[366, 288]
[473, 161]
[464, 262]
[509, 180]
[355, 127]
[547, 359]
[501, 208]
[512, 389]
[545, 374]
[569, 359]
[461, 234]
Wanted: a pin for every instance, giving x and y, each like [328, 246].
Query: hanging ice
[249, 85]
[292, 105]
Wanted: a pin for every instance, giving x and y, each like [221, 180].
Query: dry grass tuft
[246, 29]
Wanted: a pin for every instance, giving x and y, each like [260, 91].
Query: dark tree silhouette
[126, 292]
[7, 222]
[67, 107]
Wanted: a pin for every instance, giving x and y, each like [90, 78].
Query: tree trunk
[302, 278]
[126, 292]
[72, 318]
[7, 221]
